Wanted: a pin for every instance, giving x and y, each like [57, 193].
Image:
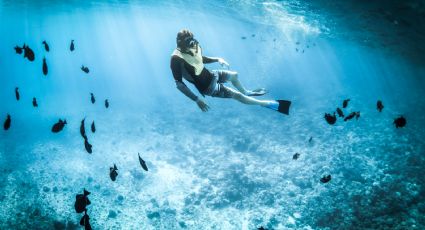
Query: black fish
[325, 179]
[340, 113]
[87, 145]
[34, 102]
[357, 115]
[106, 103]
[331, 119]
[113, 172]
[85, 221]
[83, 129]
[142, 163]
[28, 53]
[45, 69]
[261, 228]
[93, 128]
[58, 126]
[379, 106]
[17, 93]
[71, 47]
[7, 122]
[310, 139]
[18, 49]
[85, 69]
[351, 116]
[92, 99]
[46, 46]
[345, 103]
[81, 201]
[296, 156]
[400, 122]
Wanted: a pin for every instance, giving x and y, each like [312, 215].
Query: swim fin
[281, 106]
[257, 92]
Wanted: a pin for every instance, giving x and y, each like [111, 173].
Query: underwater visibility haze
[91, 112]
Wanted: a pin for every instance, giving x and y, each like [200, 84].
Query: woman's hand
[223, 62]
[202, 105]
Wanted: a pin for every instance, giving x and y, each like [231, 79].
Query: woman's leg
[232, 76]
[222, 91]
[243, 98]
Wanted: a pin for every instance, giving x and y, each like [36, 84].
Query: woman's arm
[208, 60]
[178, 77]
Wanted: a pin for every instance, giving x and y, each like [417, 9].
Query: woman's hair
[181, 36]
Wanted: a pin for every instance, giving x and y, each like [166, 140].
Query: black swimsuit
[201, 81]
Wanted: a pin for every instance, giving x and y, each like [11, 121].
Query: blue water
[231, 167]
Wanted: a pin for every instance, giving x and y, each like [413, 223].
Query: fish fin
[86, 193]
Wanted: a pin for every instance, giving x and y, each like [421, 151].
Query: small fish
[18, 49]
[46, 46]
[296, 156]
[83, 129]
[85, 221]
[357, 115]
[243, 37]
[340, 113]
[17, 93]
[345, 103]
[106, 103]
[142, 163]
[113, 172]
[34, 102]
[93, 128]
[262, 228]
[252, 35]
[57, 127]
[92, 99]
[350, 116]
[28, 53]
[72, 47]
[7, 122]
[400, 122]
[87, 145]
[325, 179]
[296, 49]
[85, 69]
[331, 119]
[379, 105]
[310, 139]
[45, 68]
[81, 201]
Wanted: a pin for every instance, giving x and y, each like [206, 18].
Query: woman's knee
[233, 76]
[239, 96]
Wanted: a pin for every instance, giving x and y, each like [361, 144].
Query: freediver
[188, 62]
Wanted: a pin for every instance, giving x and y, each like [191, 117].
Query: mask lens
[190, 42]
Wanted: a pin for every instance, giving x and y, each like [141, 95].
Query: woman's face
[189, 42]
